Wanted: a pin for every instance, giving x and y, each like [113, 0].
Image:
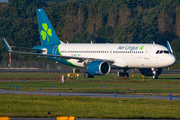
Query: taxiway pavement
[85, 94]
[81, 70]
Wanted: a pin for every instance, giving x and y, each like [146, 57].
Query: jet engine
[98, 68]
[155, 72]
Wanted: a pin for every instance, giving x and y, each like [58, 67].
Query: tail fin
[47, 33]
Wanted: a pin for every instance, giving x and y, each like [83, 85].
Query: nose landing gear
[154, 71]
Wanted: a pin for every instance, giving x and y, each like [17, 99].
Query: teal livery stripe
[67, 60]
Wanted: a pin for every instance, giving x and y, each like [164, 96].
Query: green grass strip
[86, 107]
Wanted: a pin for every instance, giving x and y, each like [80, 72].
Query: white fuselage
[123, 55]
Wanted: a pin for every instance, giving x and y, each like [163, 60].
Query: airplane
[97, 58]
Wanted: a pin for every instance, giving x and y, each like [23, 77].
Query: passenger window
[161, 52]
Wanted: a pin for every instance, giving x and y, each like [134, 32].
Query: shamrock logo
[46, 32]
[141, 47]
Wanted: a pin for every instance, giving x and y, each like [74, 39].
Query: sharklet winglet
[7, 45]
[169, 46]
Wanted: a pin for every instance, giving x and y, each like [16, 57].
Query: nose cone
[171, 59]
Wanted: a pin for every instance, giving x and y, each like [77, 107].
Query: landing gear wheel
[121, 74]
[126, 75]
[155, 77]
[87, 75]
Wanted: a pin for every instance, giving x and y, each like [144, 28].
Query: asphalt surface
[81, 70]
[85, 94]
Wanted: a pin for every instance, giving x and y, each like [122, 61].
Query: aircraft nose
[171, 59]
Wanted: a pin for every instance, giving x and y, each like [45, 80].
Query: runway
[85, 94]
[81, 70]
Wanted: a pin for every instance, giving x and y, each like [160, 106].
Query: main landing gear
[121, 74]
[124, 74]
[87, 75]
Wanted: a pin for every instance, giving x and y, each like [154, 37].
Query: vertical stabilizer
[47, 33]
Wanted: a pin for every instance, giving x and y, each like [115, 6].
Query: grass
[167, 83]
[86, 107]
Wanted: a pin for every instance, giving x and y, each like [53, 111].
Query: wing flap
[65, 57]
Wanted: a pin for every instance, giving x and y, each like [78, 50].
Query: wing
[81, 59]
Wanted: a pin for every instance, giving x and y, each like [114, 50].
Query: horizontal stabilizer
[26, 48]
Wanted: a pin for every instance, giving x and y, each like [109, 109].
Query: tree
[82, 37]
[105, 34]
[80, 18]
[123, 15]
[177, 26]
[112, 16]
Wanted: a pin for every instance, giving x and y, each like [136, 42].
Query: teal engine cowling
[98, 68]
[149, 72]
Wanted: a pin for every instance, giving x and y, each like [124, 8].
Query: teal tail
[47, 33]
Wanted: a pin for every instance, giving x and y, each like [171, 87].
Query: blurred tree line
[100, 21]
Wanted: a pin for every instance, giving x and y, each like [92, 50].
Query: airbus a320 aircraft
[99, 59]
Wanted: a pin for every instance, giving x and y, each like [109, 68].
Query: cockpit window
[157, 52]
[162, 51]
[167, 52]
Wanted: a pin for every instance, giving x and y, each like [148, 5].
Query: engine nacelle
[149, 72]
[98, 68]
